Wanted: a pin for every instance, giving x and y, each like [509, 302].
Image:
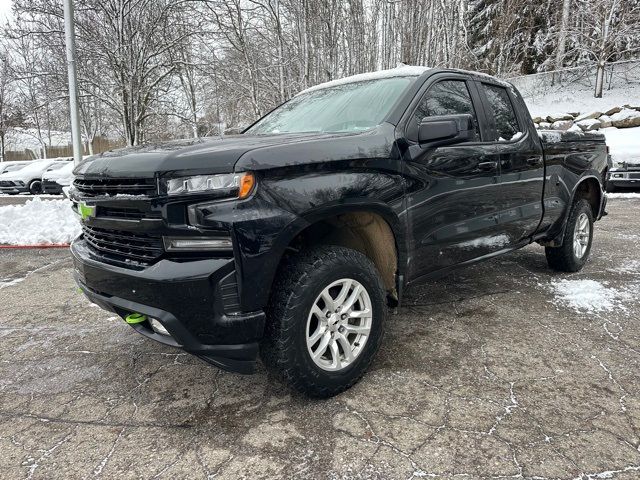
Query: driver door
[452, 198]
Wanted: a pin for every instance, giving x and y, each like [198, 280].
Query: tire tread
[562, 258]
[296, 274]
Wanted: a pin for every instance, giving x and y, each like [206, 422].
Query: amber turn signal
[246, 185]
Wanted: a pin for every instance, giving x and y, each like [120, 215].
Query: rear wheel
[325, 320]
[35, 187]
[576, 244]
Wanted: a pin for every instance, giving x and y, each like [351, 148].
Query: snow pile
[624, 144]
[625, 114]
[38, 222]
[586, 295]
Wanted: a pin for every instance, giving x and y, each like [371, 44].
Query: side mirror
[445, 130]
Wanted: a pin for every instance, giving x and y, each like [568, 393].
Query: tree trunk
[599, 79]
[562, 36]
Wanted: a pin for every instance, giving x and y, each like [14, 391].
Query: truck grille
[128, 213]
[131, 249]
[115, 186]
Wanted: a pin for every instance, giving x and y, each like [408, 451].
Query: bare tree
[156, 69]
[6, 92]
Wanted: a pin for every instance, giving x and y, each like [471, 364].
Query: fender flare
[339, 207]
[556, 239]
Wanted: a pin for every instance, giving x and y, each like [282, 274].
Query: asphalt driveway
[486, 373]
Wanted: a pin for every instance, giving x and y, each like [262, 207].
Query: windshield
[56, 166]
[12, 168]
[350, 107]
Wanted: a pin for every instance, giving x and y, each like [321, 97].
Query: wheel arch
[589, 187]
[371, 228]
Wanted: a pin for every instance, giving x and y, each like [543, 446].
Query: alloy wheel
[339, 324]
[581, 235]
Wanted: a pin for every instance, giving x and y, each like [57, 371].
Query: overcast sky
[5, 9]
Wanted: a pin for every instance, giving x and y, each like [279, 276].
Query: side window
[502, 111]
[447, 97]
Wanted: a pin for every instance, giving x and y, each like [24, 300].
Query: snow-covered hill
[579, 98]
[623, 142]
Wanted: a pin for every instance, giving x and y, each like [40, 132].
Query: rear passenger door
[451, 201]
[519, 155]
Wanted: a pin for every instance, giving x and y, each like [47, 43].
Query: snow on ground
[632, 267]
[624, 195]
[43, 195]
[38, 222]
[578, 98]
[587, 295]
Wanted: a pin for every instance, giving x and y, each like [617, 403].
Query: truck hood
[232, 153]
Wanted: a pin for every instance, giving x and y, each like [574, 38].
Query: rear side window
[501, 109]
[447, 97]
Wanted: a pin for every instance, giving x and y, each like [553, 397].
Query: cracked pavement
[481, 375]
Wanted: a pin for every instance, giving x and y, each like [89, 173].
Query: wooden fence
[100, 144]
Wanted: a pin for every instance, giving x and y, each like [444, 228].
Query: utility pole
[70, 41]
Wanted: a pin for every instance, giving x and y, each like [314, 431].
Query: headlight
[240, 184]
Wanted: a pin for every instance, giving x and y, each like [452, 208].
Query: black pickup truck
[293, 239]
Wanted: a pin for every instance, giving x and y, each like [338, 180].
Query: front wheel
[35, 187]
[325, 320]
[576, 244]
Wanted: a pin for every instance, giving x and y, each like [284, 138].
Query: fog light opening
[158, 327]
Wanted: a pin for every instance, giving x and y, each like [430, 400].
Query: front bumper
[186, 297]
[51, 187]
[624, 178]
[12, 190]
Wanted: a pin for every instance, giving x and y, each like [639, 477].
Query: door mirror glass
[446, 130]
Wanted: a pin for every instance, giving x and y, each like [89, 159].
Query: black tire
[564, 258]
[299, 282]
[609, 187]
[35, 187]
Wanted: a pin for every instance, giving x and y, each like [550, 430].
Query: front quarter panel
[285, 204]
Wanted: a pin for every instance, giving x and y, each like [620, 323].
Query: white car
[57, 176]
[27, 179]
[12, 165]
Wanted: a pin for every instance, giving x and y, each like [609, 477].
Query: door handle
[534, 161]
[488, 165]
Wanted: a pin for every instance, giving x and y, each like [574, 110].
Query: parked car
[625, 175]
[57, 176]
[292, 240]
[26, 179]
[12, 166]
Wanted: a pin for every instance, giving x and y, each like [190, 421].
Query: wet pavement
[482, 374]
